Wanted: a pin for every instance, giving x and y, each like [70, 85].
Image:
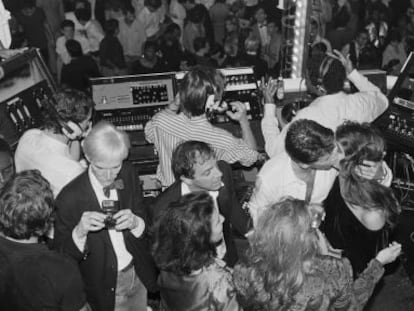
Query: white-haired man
[113, 257]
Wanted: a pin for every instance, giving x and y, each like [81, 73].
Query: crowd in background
[319, 221]
[82, 39]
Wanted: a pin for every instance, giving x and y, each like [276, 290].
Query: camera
[110, 208]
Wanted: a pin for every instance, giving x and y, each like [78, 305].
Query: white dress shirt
[150, 20]
[132, 37]
[330, 111]
[277, 179]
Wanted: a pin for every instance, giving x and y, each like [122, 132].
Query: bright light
[299, 38]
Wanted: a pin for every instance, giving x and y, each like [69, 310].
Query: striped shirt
[166, 130]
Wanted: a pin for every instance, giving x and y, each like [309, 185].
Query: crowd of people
[77, 234]
[81, 39]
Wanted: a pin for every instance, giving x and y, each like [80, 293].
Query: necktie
[117, 184]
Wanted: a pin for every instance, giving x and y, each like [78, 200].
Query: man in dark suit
[196, 169]
[113, 257]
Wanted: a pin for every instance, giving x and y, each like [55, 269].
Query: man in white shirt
[332, 109]
[307, 169]
[53, 150]
[87, 28]
[99, 223]
[150, 17]
[131, 35]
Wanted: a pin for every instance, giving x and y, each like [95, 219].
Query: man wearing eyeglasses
[99, 222]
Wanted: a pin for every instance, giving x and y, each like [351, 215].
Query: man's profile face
[207, 175]
[106, 170]
[329, 161]
[6, 168]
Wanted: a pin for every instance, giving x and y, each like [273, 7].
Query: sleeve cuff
[354, 75]
[139, 230]
[80, 243]
[269, 110]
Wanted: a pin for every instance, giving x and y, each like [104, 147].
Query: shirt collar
[186, 190]
[96, 185]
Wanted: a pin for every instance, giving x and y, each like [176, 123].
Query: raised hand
[345, 60]
[268, 89]
[238, 112]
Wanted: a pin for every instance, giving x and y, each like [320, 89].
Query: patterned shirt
[210, 288]
[167, 130]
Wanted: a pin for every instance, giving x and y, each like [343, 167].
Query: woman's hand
[345, 60]
[389, 254]
[370, 170]
[268, 89]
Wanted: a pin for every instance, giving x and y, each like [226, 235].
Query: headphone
[323, 70]
[70, 129]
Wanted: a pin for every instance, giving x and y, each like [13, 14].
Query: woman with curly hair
[359, 212]
[289, 266]
[186, 237]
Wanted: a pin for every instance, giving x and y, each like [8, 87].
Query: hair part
[26, 206]
[186, 155]
[71, 105]
[334, 78]
[196, 86]
[362, 142]
[74, 48]
[182, 234]
[105, 142]
[281, 244]
[307, 141]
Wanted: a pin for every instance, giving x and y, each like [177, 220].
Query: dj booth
[129, 102]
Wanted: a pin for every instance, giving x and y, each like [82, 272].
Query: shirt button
[112, 289]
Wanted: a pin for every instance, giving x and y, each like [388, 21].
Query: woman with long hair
[290, 267]
[359, 211]
[186, 241]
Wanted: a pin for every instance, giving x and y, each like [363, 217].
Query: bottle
[280, 92]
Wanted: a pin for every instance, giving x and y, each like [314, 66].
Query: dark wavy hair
[307, 141]
[182, 235]
[196, 86]
[333, 80]
[71, 105]
[187, 154]
[26, 206]
[364, 142]
[282, 242]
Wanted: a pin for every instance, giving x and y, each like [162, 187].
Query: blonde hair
[105, 142]
[282, 242]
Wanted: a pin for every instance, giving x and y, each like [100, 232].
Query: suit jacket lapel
[93, 203]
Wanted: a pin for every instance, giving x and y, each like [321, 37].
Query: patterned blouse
[208, 289]
[328, 287]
